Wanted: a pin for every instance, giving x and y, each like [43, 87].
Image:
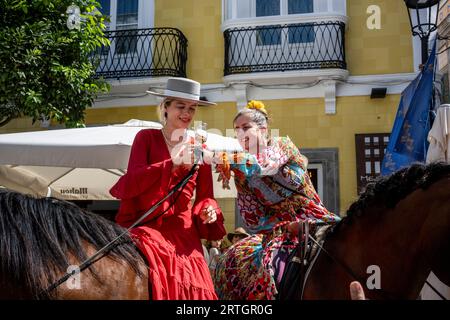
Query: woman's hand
[209, 157]
[269, 167]
[213, 157]
[208, 215]
[183, 155]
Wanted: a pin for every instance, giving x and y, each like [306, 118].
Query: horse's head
[397, 232]
[40, 239]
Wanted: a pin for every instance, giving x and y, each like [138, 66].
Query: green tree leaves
[46, 69]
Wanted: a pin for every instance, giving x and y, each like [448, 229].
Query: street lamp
[423, 15]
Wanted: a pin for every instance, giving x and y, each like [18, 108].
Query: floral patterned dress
[274, 189]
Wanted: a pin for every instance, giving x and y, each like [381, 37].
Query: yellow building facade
[321, 109]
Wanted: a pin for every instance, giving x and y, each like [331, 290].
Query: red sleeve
[205, 197]
[141, 175]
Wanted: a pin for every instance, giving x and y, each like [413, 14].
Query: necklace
[168, 141]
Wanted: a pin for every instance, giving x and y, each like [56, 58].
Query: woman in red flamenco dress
[170, 236]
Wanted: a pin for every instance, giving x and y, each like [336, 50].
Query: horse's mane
[36, 236]
[388, 191]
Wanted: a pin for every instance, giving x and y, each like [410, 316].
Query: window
[126, 18]
[127, 15]
[267, 8]
[300, 6]
[370, 149]
[127, 43]
[271, 35]
[268, 36]
[301, 34]
[123, 14]
[243, 9]
[323, 169]
[315, 171]
[105, 7]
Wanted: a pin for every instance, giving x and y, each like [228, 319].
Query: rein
[100, 253]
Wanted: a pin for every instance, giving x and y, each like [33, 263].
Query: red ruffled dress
[171, 242]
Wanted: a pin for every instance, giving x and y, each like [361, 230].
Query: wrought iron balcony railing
[315, 45]
[143, 53]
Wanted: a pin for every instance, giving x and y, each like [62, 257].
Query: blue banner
[408, 141]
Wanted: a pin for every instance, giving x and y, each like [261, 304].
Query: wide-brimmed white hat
[183, 89]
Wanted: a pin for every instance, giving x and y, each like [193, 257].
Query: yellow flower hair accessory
[258, 105]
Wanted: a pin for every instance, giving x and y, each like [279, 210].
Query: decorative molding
[125, 102]
[330, 96]
[130, 85]
[387, 79]
[131, 92]
[287, 77]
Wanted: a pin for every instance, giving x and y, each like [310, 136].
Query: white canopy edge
[96, 147]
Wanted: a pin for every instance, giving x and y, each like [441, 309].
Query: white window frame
[283, 11]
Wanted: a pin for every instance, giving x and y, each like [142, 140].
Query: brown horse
[42, 239]
[398, 231]
[401, 225]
